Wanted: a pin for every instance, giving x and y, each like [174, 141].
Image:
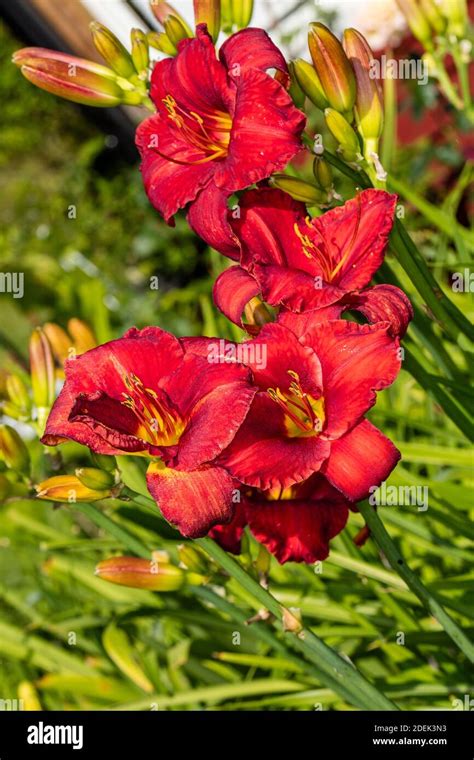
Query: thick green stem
[386, 544]
[363, 693]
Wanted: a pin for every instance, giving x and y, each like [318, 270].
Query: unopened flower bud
[98, 480]
[298, 189]
[176, 30]
[432, 12]
[104, 462]
[42, 374]
[160, 41]
[82, 335]
[322, 173]
[141, 573]
[12, 449]
[296, 93]
[140, 52]
[343, 134]
[68, 489]
[310, 83]
[417, 21]
[332, 67]
[18, 393]
[59, 341]
[368, 106]
[208, 12]
[237, 12]
[68, 77]
[112, 50]
[192, 559]
[163, 10]
[457, 16]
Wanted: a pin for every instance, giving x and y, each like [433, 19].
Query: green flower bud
[12, 449]
[298, 189]
[98, 480]
[310, 83]
[332, 67]
[112, 50]
[343, 134]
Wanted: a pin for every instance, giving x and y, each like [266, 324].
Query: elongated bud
[68, 489]
[322, 173]
[208, 12]
[456, 14]
[104, 462]
[310, 83]
[141, 573]
[332, 67]
[160, 41]
[256, 313]
[432, 13]
[140, 52]
[192, 559]
[82, 335]
[112, 50]
[242, 11]
[296, 93]
[417, 21]
[68, 77]
[176, 30]
[98, 480]
[59, 341]
[298, 189]
[18, 393]
[163, 10]
[343, 133]
[42, 374]
[12, 449]
[369, 101]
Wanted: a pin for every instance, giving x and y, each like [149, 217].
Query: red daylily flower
[221, 124]
[144, 394]
[304, 264]
[295, 524]
[308, 415]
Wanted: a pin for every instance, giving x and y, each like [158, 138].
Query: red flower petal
[251, 49]
[294, 289]
[230, 536]
[233, 290]
[193, 501]
[213, 423]
[195, 78]
[361, 459]
[261, 455]
[171, 179]
[150, 354]
[208, 216]
[299, 530]
[266, 229]
[265, 133]
[355, 236]
[109, 419]
[356, 361]
[384, 303]
[274, 352]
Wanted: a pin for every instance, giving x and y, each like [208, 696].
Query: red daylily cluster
[272, 432]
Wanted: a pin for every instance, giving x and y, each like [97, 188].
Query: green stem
[364, 694]
[433, 214]
[390, 120]
[386, 544]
